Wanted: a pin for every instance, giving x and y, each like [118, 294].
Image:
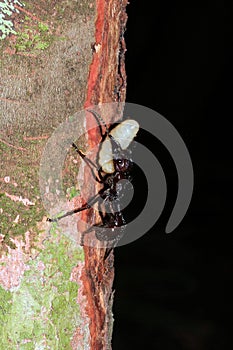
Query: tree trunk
[56, 58]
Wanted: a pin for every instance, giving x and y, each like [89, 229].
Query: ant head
[122, 165]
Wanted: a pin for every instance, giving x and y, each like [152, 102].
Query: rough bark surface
[64, 57]
[107, 83]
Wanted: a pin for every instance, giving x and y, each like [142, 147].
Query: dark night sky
[174, 291]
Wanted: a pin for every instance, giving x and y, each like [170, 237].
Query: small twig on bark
[10, 145]
[28, 13]
[26, 54]
[9, 100]
[35, 138]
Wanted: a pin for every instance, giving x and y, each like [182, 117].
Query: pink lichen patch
[80, 332]
[78, 339]
[12, 265]
[76, 274]
[27, 241]
[40, 266]
[25, 341]
[14, 198]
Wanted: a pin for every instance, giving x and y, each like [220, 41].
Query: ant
[115, 165]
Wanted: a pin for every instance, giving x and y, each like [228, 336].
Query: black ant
[115, 165]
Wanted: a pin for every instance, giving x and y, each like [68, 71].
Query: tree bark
[59, 59]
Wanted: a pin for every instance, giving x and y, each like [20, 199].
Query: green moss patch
[43, 313]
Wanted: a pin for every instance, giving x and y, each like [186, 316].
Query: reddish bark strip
[107, 79]
[28, 13]
[106, 83]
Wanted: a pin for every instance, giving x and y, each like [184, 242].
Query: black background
[174, 291]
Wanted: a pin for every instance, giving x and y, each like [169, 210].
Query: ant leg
[113, 237]
[68, 213]
[115, 143]
[107, 253]
[85, 206]
[99, 119]
[88, 162]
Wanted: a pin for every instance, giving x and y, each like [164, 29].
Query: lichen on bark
[67, 55]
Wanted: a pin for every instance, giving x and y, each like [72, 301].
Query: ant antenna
[99, 119]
